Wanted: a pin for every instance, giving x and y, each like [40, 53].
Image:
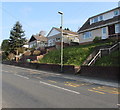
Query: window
[57, 39]
[104, 30]
[101, 17]
[116, 12]
[95, 19]
[91, 21]
[117, 28]
[87, 35]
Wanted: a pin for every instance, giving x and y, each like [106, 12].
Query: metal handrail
[99, 53]
[110, 47]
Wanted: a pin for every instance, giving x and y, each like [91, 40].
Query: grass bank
[73, 55]
[112, 59]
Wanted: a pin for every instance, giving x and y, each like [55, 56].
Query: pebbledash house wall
[52, 39]
[37, 44]
[66, 38]
[98, 31]
[94, 33]
[33, 43]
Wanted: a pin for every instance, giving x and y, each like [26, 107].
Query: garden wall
[110, 73]
[100, 72]
[67, 69]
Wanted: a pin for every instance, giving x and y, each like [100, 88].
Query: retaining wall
[100, 72]
[110, 73]
[67, 69]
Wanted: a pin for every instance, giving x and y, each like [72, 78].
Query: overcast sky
[37, 16]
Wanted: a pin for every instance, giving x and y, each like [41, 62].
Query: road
[29, 88]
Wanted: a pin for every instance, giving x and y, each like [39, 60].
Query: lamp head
[60, 12]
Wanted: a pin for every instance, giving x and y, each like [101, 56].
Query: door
[111, 29]
[104, 35]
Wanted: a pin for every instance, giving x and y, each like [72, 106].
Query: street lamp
[61, 13]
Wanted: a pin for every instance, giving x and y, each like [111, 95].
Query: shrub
[21, 50]
[4, 55]
[27, 53]
[36, 52]
[11, 56]
[96, 39]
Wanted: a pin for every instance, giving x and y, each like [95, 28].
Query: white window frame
[104, 30]
[104, 33]
[91, 21]
[100, 17]
[117, 28]
[115, 12]
[96, 18]
[87, 35]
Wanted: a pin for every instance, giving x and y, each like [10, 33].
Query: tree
[17, 39]
[67, 29]
[5, 45]
[5, 48]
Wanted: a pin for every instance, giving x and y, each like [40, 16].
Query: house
[26, 44]
[104, 25]
[54, 37]
[37, 41]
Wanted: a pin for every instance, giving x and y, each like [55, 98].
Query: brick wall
[111, 73]
[67, 69]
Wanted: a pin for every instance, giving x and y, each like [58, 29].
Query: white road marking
[59, 87]
[118, 104]
[9, 71]
[5, 71]
[21, 76]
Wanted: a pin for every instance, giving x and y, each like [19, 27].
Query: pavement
[95, 80]
[29, 88]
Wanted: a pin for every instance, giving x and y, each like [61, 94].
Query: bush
[21, 50]
[36, 52]
[96, 39]
[11, 56]
[4, 55]
[27, 53]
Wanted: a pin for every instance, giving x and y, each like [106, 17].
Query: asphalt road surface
[29, 88]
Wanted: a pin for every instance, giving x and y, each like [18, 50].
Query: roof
[105, 12]
[94, 25]
[39, 38]
[65, 31]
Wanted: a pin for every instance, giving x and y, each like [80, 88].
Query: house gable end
[53, 32]
[32, 39]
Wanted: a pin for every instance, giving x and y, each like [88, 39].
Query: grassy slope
[74, 55]
[109, 60]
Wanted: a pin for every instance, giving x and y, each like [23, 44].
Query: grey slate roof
[88, 26]
[66, 31]
[38, 38]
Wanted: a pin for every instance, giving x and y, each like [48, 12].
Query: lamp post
[61, 13]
